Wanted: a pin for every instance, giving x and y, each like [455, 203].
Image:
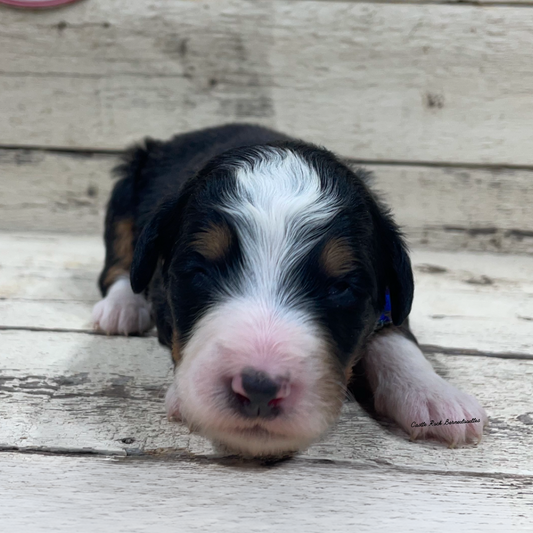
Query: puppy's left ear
[397, 274]
[157, 239]
[149, 247]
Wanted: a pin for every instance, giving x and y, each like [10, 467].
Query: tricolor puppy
[268, 267]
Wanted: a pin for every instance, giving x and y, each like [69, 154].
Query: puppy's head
[275, 262]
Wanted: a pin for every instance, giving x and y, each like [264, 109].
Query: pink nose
[258, 394]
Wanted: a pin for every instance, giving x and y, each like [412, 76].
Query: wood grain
[50, 191]
[63, 494]
[439, 207]
[388, 82]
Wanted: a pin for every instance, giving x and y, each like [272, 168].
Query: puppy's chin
[258, 443]
[238, 336]
[256, 439]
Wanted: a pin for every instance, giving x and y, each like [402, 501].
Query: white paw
[122, 311]
[407, 390]
[429, 410]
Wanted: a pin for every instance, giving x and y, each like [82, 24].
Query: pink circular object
[36, 3]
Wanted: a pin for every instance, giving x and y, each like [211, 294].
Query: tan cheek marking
[348, 372]
[359, 351]
[176, 347]
[331, 387]
[337, 258]
[213, 243]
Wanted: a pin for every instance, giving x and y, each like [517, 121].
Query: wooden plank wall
[436, 98]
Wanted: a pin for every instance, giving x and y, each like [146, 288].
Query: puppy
[270, 270]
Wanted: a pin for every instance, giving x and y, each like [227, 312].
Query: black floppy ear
[155, 240]
[396, 266]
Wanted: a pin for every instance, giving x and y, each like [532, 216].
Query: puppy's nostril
[243, 400]
[236, 387]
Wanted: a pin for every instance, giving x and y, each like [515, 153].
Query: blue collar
[386, 315]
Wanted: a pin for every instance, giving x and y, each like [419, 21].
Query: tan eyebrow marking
[214, 242]
[337, 257]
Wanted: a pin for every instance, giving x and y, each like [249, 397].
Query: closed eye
[338, 289]
[194, 266]
[348, 291]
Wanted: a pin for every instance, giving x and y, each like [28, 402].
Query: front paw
[434, 410]
[122, 311]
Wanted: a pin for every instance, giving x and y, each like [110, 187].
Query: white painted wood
[47, 314]
[403, 82]
[50, 267]
[438, 207]
[19, 284]
[460, 208]
[45, 251]
[477, 301]
[463, 2]
[72, 391]
[63, 494]
[46, 191]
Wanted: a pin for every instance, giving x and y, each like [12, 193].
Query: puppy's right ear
[156, 240]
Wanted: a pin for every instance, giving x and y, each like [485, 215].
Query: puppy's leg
[407, 390]
[121, 311]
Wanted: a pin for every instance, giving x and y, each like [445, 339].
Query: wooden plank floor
[86, 444]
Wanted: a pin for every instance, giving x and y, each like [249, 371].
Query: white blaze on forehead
[281, 209]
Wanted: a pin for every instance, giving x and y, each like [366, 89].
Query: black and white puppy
[267, 265]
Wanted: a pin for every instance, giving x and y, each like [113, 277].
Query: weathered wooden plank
[46, 314]
[74, 391]
[460, 208]
[373, 81]
[438, 207]
[476, 301]
[63, 494]
[45, 251]
[46, 191]
[462, 2]
[50, 267]
[49, 285]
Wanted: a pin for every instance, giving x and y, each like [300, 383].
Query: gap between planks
[177, 456]
[426, 348]
[89, 151]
